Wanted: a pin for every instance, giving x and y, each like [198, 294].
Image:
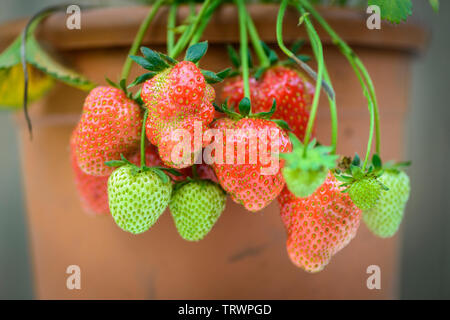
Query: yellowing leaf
[12, 82]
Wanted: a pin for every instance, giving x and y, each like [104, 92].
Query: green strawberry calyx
[161, 172]
[244, 112]
[352, 173]
[157, 62]
[305, 172]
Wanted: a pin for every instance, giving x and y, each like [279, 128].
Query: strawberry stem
[190, 31]
[204, 23]
[171, 24]
[256, 42]
[143, 139]
[138, 39]
[316, 45]
[318, 51]
[356, 64]
[244, 47]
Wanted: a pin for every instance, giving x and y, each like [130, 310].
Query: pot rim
[116, 27]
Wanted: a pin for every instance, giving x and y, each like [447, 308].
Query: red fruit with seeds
[318, 226]
[251, 176]
[233, 90]
[288, 87]
[110, 125]
[92, 190]
[177, 98]
[289, 90]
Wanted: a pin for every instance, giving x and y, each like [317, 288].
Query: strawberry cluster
[127, 162]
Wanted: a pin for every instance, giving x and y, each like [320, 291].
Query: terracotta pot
[244, 257]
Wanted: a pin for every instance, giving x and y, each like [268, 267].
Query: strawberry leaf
[394, 11]
[195, 52]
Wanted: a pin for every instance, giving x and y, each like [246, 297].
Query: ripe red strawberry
[176, 98]
[92, 190]
[246, 182]
[289, 90]
[288, 87]
[318, 226]
[109, 125]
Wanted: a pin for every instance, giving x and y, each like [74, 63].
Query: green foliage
[394, 11]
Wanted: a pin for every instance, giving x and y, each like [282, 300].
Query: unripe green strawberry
[195, 208]
[365, 192]
[384, 219]
[137, 198]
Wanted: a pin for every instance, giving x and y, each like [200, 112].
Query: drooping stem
[190, 31]
[356, 64]
[316, 45]
[244, 46]
[291, 55]
[138, 39]
[171, 23]
[143, 139]
[318, 52]
[256, 42]
[204, 23]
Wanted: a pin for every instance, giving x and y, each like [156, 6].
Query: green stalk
[143, 139]
[138, 39]
[171, 24]
[333, 114]
[190, 31]
[312, 33]
[256, 42]
[356, 64]
[204, 23]
[318, 51]
[244, 46]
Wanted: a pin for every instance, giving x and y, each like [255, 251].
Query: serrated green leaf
[195, 52]
[394, 11]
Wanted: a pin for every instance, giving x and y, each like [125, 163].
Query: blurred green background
[425, 254]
